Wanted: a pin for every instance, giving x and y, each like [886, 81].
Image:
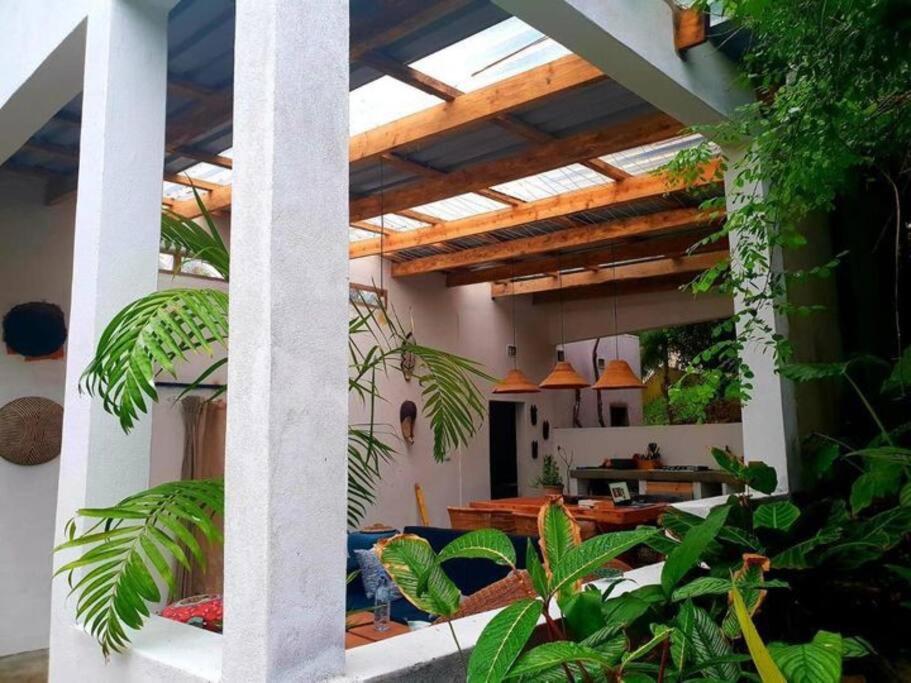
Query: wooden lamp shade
[515, 382]
[618, 375]
[564, 376]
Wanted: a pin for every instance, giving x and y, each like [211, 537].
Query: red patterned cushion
[203, 611]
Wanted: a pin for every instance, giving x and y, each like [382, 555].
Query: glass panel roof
[649, 157]
[382, 101]
[393, 221]
[356, 234]
[551, 183]
[200, 171]
[501, 51]
[461, 206]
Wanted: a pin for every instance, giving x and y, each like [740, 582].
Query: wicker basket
[469, 519]
[502, 593]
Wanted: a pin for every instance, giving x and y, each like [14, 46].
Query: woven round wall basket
[30, 430]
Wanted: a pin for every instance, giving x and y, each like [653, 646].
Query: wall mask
[408, 414]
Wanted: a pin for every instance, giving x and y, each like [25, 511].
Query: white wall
[680, 444]
[35, 265]
[623, 346]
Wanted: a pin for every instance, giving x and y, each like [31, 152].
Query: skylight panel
[382, 101]
[554, 182]
[357, 234]
[393, 221]
[503, 50]
[461, 206]
[649, 157]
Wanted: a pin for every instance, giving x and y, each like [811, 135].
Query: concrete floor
[28, 667]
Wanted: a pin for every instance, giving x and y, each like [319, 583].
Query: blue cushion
[363, 540]
[373, 575]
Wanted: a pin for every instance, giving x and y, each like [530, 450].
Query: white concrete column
[114, 260]
[287, 399]
[770, 431]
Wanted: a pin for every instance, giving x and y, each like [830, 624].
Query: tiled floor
[28, 667]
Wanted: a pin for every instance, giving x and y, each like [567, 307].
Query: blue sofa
[469, 576]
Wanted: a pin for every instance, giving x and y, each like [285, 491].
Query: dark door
[504, 474]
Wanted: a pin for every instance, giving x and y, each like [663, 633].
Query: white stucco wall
[680, 444]
[34, 266]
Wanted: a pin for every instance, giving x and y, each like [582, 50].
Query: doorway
[504, 470]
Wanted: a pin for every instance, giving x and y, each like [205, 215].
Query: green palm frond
[152, 334]
[192, 240]
[126, 550]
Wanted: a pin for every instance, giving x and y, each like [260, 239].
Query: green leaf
[765, 665]
[697, 640]
[411, 563]
[799, 556]
[502, 640]
[535, 570]
[881, 479]
[550, 655]
[856, 647]
[559, 533]
[816, 662]
[806, 372]
[128, 549]
[780, 515]
[689, 552]
[582, 560]
[583, 614]
[488, 544]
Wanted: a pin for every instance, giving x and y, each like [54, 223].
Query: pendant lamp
[564, 375]
[618, 374]
[515, 381]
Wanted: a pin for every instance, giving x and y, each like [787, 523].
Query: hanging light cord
[515, 344]
[613, 259]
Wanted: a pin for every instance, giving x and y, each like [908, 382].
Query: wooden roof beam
[548, 80]
[588, 235]
[666, 267]
[556, 207]
[544, 157]
[675, 245]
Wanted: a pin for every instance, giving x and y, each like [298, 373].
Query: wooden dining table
[605, 514]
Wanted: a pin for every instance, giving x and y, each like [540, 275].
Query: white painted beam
[632, 41]
[56, 81]
[286, 459]
[114, 262]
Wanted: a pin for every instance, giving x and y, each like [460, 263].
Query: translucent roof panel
[200, 171]
[461, 206]
[550, 183]
[382, 101]
[356, 234]
[501, 51]
[393, 221]
[649, 157]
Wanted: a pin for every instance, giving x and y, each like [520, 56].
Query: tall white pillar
[114, 260]
[287, 397]
[770, 432]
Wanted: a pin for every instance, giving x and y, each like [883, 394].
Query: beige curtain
[203, 458]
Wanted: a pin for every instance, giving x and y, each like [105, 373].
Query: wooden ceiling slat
[547, 156]
[589, 199]
[587, 235]
[634, 271]
[548, 80]
[676, 245]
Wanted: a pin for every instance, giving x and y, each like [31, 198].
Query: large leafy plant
[691, 626]
[130, 546]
